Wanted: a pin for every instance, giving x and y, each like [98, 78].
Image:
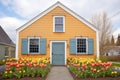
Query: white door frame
[51, 50]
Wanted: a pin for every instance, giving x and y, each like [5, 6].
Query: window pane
[59, 27]
[81, 45]
[34, 45]
[58, 20]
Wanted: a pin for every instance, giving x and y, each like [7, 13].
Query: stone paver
[59, 73]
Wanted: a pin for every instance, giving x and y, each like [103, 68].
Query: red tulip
[21, 65]
[17, 65]
[94, 70]
[34, 65]
[7, 69]
[76, 65]
[92, 64]
[7, 63]
[42, 65]
[35, 62]
[109, 63]
[84, 66]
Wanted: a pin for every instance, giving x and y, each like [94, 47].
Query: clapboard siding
[43, 27]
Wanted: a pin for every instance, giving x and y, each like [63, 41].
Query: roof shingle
[4, 38]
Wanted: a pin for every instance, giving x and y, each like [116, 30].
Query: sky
[15, 13]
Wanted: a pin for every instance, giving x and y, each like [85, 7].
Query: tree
[118, 41]
[112, 41]
[108, 43]
[104, 25]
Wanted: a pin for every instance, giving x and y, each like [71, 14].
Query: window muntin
[58, 24]
[34, 45]
[81, 45]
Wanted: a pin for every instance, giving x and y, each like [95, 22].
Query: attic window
[59, 24]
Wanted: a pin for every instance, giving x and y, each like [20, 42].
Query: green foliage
[115, 64]
[7, 74]
[94, 71]
[103, 58]
[2, 62]
[18, 74]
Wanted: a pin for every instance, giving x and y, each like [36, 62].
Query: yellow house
[58, 33]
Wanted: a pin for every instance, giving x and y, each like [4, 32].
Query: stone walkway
[59, 73]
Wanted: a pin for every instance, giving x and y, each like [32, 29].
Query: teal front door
[58, 53]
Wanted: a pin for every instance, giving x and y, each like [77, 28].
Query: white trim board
[17, 40]
[97, 45]
[51, 8]
[51, 51]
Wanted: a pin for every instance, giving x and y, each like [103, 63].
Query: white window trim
[29, 43]
[86, 44]
[63, 23]
[51, 51]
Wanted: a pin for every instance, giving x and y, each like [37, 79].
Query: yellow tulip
[24, 71]
[19, 71]
[3, 60]
[98, 71]
[10, 71]
[5, 72]
[115, 72]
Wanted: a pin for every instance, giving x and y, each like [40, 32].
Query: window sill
[58, 32]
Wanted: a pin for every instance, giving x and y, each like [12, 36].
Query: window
[58, 23]
[81, 45]
[33, 45]
[6, 51]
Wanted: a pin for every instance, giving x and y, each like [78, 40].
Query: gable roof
[4, 38]
[53, 7]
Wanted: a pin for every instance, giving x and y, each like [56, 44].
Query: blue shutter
[42, 46]
[90, 46]
[73, 46]
[24, 46]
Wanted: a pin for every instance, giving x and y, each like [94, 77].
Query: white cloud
[27, 8]
[10, 24]
[116, 32]
[30, 8]
[86, 8]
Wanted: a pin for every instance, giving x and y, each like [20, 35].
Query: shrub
[103, 58]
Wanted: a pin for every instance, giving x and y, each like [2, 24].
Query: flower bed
[90, 68]
[38, 67]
